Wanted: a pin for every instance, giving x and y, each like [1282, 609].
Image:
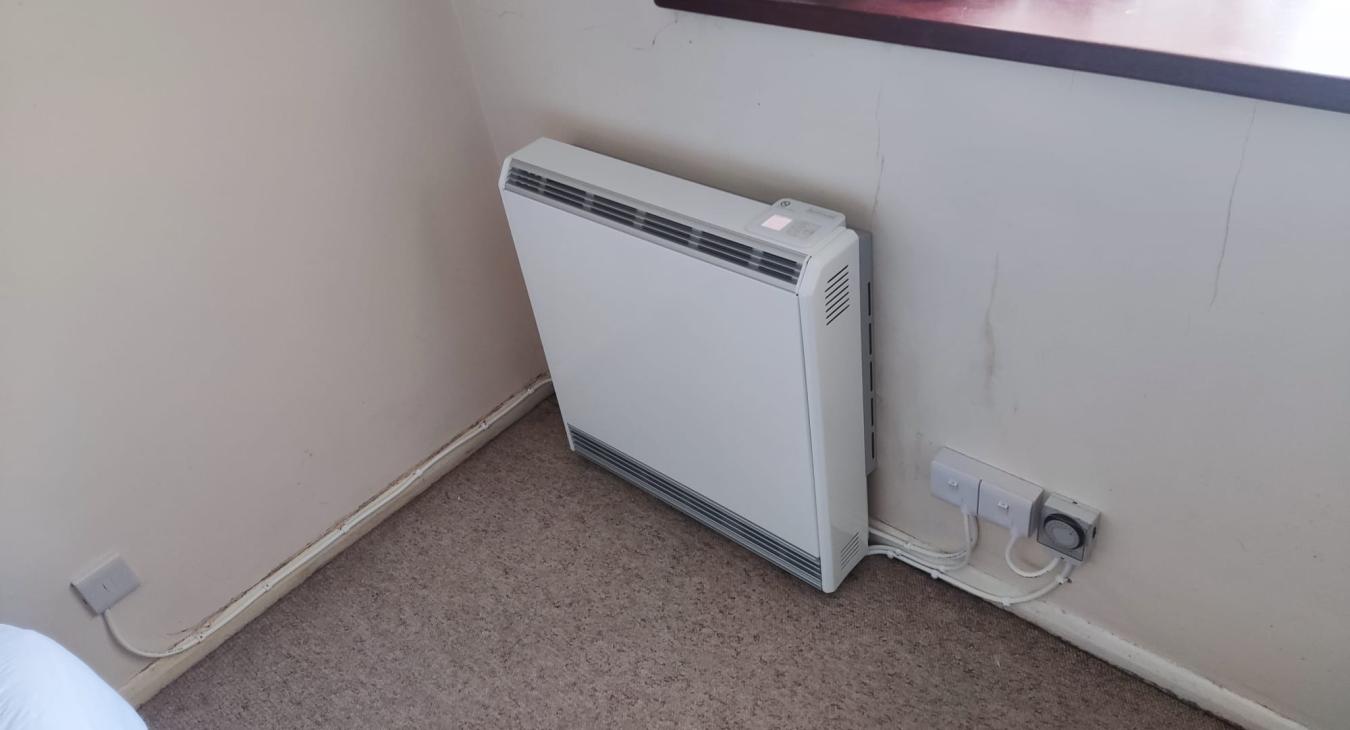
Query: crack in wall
[675, 21]
[990, 341]
[1228, 219]
[881, 159]
[876, 192]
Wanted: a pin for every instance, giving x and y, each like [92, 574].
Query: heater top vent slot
[723, 248]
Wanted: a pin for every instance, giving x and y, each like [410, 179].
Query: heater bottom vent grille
[711, 514]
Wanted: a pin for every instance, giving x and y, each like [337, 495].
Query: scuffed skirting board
[149, 681]
[1117, 651]
[1154, 669]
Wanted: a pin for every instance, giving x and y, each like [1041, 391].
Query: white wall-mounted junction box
[106, 583]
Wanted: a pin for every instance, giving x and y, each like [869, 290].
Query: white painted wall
[252, 268]
[1128, 292]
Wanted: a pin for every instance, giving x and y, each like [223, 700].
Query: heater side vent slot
[837, 295]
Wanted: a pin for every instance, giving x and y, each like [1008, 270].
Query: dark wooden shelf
[1291, 51]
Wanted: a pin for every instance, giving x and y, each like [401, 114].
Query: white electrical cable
[241, 604]
[971, 539]
[1005, 601]
[928, 553]
[933, 559]
[1008, 556]
[941, 563]
[918, 548]
[930, 557]
[179, 648]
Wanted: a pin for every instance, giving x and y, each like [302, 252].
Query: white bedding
[45, 687]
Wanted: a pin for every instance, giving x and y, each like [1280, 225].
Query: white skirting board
[149, 681]
[1117, 651]
[1154, 669]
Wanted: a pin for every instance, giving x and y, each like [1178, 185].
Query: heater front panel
[691, 368]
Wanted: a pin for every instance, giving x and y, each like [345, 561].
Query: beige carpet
[530, 589]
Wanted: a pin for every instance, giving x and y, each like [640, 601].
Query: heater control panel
[796, 224]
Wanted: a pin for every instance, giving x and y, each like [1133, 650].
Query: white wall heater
[707, 348]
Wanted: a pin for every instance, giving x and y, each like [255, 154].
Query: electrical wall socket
[1012, 502]
[955, 478]
[106, 584]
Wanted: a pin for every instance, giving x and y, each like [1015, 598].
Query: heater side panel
[833, 302]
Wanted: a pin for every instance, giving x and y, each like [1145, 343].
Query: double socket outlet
[1015, 503]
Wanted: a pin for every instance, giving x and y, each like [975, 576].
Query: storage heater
[710, 349]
